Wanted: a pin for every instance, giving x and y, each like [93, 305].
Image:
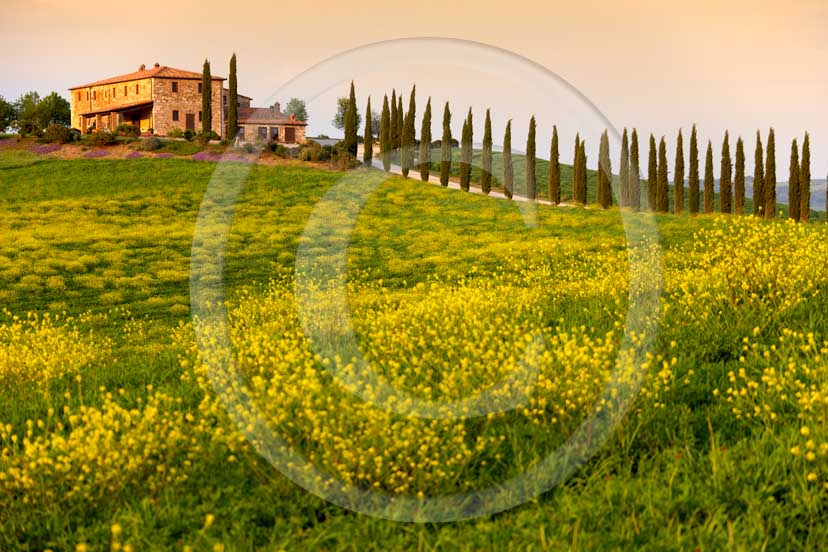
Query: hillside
[111, 417]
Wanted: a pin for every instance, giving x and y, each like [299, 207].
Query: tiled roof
[116, 108]
[267, 116]
[159, 72]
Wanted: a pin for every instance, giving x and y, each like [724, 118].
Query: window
[137, 89]
[263, 133]
[199, 88]
[79, 96]
[175, 115]
[274, 134]
[113, 91]
[199, 116]
[126, 90]
[174, 87]
[94, 94]
[240, 134]
[225, 100]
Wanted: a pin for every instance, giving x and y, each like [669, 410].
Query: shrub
[249, 148]
[176, 133]
[57, 134]
[278, 149]
[129, 130]
[101, 138]
[189, 135]
[346, 160]
[151, 144]
[312, 151]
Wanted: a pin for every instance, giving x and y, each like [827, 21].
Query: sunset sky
[740, 65]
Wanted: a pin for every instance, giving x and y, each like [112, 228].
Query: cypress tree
[232, 101]
[739, 178]
[408, 134]
[709, 181]
[508, 174]
[624, 171]
[794, 196]
[206, 100]
[662, 196]
[425, 143]
[725, 184]
[759, 178]
[445, 148]
[395, 138]
[770, 177]
[582, 172]
[604, 173]
[576, 169]
[368, 139]
[486, 161]
[805, 181]
[531, 179]
[385, 135]
[554, 169]
[350, 141]
[399, 123]
[678, 181]
[693, 177]
[652, 176]
[466, 153]
[635, 173]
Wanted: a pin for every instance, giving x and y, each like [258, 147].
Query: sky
[740, 65]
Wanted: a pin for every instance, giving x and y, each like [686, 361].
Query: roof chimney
[277, 107]
[157, 65]
[142, 67]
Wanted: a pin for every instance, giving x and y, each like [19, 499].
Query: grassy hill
[111, 430]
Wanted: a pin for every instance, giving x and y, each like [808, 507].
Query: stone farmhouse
[160, 99]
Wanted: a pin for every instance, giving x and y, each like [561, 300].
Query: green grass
[118, 234]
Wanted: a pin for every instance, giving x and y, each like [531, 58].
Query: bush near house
[58, 134]
[128, 130]
[101, 138]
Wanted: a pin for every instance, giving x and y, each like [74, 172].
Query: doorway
[191, 121]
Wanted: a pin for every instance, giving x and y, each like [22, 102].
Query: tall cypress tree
[652, 176]
[805, 181]
[466, 153]
[232, 101]
[662, 196]
[425, 143]
[445, 148]
[554, 169]
[624, 171]
[395, 138]
[408, 134]
[486, 161]
[709, 180]
[770, 177]
[508, 173]
[206, 100]
[635, 173]
[399, 122]
[725, 189]
[604, 173]
[385, 135]
[678, 181]
[531, 179]
[739, 178]
[351, 131]
[368, 138]
[693, 177]
[582, 173]
[794, 197]
[576, 168]
[759, 178]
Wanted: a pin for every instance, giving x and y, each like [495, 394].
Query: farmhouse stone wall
[251, 132]
[109, 96]
[186, 101]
